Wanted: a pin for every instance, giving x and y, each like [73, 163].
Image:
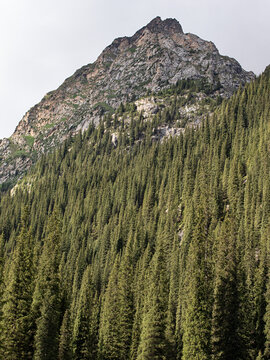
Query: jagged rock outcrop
[157, 55]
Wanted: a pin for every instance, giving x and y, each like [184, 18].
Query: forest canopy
[144, 249]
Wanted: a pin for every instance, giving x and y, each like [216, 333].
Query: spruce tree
[16, 320]
[126, 306]
[153, 344]
[65, 351]
[267, 321]
[226, 340]
[109, 320]
[198, 300]
[85, 334]
[47, 296]
[1, 284]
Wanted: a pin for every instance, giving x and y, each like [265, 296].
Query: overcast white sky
[45, 41]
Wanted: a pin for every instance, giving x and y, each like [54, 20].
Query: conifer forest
[144, 249]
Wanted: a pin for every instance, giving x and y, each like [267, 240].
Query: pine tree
[267, 321]
[1, 283]
[85, 335]
[197, 311]
[16, 322]
[65, 352]
[226, 340]
[47, 297]
[126, 307]
[153, 344]
[109, 320]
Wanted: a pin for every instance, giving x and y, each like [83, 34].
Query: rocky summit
[155, 57]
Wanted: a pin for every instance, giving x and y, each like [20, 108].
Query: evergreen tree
[65, 352]
[47, 297]
[85, 337]
[1, 284]
[267, 321]
[126, 307]
[16, 320]
[108, 331]
[226, 340]
[153, 344]
[197, 311]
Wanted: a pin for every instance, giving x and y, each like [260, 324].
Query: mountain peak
[155, 57]
[168, 25]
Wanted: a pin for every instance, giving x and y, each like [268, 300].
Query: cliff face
[155, 57]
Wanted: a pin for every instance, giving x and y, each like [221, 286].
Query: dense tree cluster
[144, 250]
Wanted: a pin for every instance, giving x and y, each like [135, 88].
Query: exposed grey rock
[147, 106]
[155, 57]
[114, 139]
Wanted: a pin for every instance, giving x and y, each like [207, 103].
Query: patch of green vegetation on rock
[29, 140]
[20, 153]
[111, 94]
[132, 50]
[49, 126]
[104, 106]
[13, 147]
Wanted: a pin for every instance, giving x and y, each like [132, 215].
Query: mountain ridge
[155, 57]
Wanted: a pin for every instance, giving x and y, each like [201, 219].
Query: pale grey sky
[45, 41]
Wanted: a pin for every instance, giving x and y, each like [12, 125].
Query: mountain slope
[145, 249]
[157, 56]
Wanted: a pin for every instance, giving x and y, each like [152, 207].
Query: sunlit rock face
[155, 57]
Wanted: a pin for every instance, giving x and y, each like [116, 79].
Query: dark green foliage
[65, 352]
[196, 312]
[267, 323]
[226, 340]
[153, 344]
[85, 338]
[47, 298]
[141, 249]
[16, 335]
